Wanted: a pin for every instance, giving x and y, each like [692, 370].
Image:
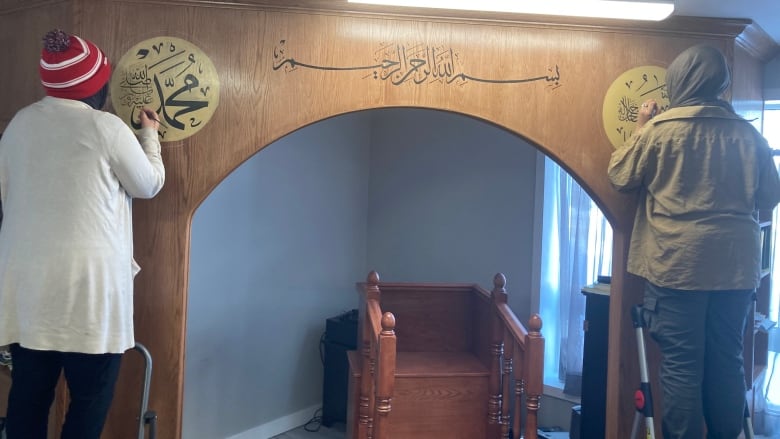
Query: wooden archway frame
[263, 99]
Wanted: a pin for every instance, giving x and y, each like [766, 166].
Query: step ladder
[643, 397]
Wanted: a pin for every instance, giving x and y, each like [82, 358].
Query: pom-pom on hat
[72, 67]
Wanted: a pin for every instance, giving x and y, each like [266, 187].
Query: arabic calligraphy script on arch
[172, 76]
[416, 64]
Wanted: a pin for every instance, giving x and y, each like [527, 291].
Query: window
[771, 132]
[772, 135]
[576, 247]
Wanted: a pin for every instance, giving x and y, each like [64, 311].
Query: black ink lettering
[165, 59]
[422, 64]
[191, 59]
[190, 82]
[662, 86]
[173, 67]
[644, 81]
[628, 110]
[137, 77]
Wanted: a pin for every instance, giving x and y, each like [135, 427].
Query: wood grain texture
[260, 104]
[450, 406]
[22, 26]
[422, 326]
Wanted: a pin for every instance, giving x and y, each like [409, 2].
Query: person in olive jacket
[701, 172]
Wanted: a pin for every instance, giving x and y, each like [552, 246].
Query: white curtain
[768, 403]
[576, 247]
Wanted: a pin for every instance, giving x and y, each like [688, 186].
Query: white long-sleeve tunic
[68, 174]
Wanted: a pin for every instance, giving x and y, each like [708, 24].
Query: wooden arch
[284, 65]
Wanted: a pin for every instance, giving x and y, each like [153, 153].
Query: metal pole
[147, 383]
[643, 398]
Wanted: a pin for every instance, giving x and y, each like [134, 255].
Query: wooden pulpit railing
[379, 354]
[459, 364]
[522, 353]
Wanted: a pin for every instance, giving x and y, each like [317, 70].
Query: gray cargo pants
[700, 334]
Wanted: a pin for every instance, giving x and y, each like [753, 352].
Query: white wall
[418, 195]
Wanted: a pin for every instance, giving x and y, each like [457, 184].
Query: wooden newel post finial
[499, 288]
[372, 285]
[535, 323]
[388, 323]
[499, 281]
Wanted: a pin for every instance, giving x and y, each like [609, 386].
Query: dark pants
[700, 334]
[90, 378]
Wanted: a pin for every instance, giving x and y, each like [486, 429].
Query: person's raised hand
[647, 111]
[149, 118]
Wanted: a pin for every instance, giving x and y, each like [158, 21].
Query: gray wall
[418, 195]
[276, 249]
[451, 199]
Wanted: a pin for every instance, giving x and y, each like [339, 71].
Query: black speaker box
[340, 336]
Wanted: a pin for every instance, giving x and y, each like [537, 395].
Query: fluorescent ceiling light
[622, 9]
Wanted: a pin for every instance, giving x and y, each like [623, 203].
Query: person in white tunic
[68, 174]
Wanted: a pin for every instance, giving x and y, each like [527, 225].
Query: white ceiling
[766, 13]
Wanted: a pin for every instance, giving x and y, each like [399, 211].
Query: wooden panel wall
[259, 103]
[23, 25]
[746, 87]
[425, 330]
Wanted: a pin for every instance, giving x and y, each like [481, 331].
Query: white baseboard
[278, 426]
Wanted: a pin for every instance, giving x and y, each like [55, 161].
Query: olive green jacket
[701, 173]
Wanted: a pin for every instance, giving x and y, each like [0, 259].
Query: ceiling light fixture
[653, 10]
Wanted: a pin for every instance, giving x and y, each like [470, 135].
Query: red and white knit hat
[72, 67]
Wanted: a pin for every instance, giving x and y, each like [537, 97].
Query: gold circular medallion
[173, 77]
[625, 96]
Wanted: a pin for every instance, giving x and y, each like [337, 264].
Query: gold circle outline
[176, 65]
[625, 94]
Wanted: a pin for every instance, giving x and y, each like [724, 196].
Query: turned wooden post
[385, 376]
[506, 379]
[497, 350]
[367, 367]
[535, 368]
[519, 376]
[365, 382]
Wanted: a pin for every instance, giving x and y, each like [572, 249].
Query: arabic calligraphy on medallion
[625, 96]
[415, 64]
[172, 76]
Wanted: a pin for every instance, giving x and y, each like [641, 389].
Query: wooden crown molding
[748, 34]
[680, 25]
[758, 43]
[11, 6]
